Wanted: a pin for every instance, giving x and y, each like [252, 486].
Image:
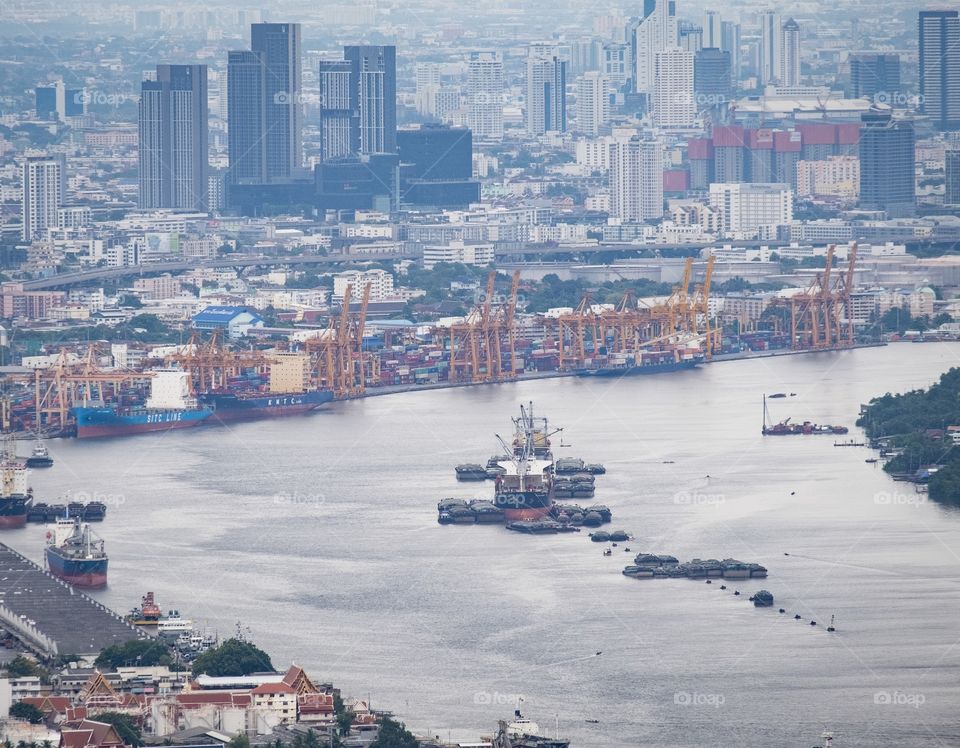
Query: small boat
[777, 395]
[831, 627]
[593, 721]
[871, 460]
[40, 457]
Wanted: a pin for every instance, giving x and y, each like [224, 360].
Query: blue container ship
[229, 407]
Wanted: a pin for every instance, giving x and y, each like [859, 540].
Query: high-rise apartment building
[485, 95]
[593, 102]
[546, 90]
[939, 60]
[636, 178]
[656, 32]
[43, 181]
[172, 124]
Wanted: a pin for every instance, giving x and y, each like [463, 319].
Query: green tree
[233, 657]
[149, 322]
[393, 734]
[21, 667]
[239, 741]
[125, 725]
[145, 652]
[28, 712]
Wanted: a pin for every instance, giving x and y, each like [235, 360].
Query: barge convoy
[785, 428]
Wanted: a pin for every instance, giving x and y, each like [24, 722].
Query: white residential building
[381, 284]
[655, 33]
[43, 182]
[485, 95]
[674, 104]
[458, 251]
[790, 54]
[636, 179]
[752, 208]
[593, 102]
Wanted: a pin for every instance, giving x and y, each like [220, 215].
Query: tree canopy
[393, 734]
[145, 652]
[233, 657]
[27, 712]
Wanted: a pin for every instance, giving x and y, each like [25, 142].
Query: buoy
[782, 610]
[736, 592]
[796, 617]
[723, 586]
[792, 493]
[709, 582]
[813, 623]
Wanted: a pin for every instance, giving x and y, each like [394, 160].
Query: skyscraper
[43, 181]
[339, 128]
[712, 30]
[263, 105]
[771, 54]
[373, 91]
[952, 173]
[546, 90]
[485, 95]
[872, 74]
[593, 102]
[711, 77]
[790, 54]
[636, 179]
[674, 104]
[730, 42]
[887, 159]
[655, 33]
[172, 151]
[940, 67]
[278, 45]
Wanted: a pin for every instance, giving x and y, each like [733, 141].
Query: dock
[52, 618]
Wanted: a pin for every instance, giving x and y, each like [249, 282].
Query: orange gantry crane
[821, 317]
[483, 346]
[338, 362]
[211, 363]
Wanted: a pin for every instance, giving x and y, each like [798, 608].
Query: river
[319, 535]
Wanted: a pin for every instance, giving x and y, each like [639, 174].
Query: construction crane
[212, 363]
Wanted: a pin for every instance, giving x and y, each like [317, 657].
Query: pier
[52, 618]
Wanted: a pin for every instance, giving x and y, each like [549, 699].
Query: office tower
[593, 103]
[616, 63]
[730, 42]
[790, 54]
[172, 153]
[373, 89]
[673, 100]
[940, 67]
[711, 77]
[485, 95]
[636, 179]
[246, 125]
[712, 30]
[278, 45]
[264, 110]
[338, 125]
[43, 180]
[690, 37]
[546, 90]
[656, 32]
[887, 153]
[436, 166]
[872, 74]
[57, 102]
[427, 85]
[951, 194]
[771, 39]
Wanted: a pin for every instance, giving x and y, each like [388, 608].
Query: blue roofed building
[233, 320]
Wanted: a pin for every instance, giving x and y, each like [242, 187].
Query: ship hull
[630, 371]
[231, 408]
[523, 505]
[13, 513]
[103, 422]
[88, 573]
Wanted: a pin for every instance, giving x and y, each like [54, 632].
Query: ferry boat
[524, 490]
[76, 555]
[170, 406]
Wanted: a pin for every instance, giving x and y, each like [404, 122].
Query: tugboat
[148, 614]
[40, 457]
[15, 497]
[75, 555]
